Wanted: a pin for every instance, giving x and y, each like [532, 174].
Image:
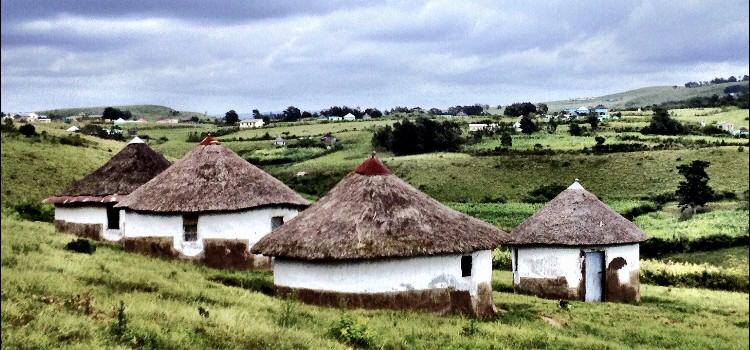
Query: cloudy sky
[217, 55]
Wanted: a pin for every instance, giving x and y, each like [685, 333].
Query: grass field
[667, 223]
[150, 112]
[54, 298]
[729, 258]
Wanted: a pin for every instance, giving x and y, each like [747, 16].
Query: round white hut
[211, 206]
[577, 248]
[374, 241]
[86, 208]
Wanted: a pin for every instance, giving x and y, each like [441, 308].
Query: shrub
[544, 193]
[470, 328]
[27, 130]
[421, 136]
[350, 331]
[35, 211]
[501, 259]
[640, 210]
[663, 124]
[575, 130]
[73, 140]
[288, 316]
[655, 246]
[244, 280]
[81, 246]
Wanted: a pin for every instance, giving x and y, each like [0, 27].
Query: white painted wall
[250, 225]
[385, 275]
[82, 214]
[550, 262]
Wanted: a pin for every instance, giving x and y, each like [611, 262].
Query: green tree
[552, 125]
[575, 130]
[27, 130]
[593, 119]
[528, 126]
[694, 191]
[506, 140]
[662, 124]
[256, 114]
[231, 117]
[292, 114]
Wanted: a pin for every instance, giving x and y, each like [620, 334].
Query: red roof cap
[372, 166]
[209, 141]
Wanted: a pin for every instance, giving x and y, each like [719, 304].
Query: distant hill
[150, 112]
[644, 96]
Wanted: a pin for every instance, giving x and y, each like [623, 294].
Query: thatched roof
[127, 170]
[211, 178]
[373, 214]
[576, 217]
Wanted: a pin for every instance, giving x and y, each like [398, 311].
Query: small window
[190, 227]
[113, 218]
[276, 221]
[466, 266]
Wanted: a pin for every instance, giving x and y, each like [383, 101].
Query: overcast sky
[214, 56]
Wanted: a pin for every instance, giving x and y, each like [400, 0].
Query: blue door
[594, 279]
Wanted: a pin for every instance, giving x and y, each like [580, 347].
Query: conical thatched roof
[211, 178]
[127, 170]
[576, 217]
[373, 214]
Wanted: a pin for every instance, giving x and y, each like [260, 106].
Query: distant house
[461, 114]
[72, 129]
[43, 120]
[334, 118]
[251, 123]
[280, 141]
[366, 116]
[168, 121]
[482, 126]
[601, 110]
[120, 121]
[726, 126]
[322, 118]
[349, 117]
[740, 132]
[583, 110]
[517, 125]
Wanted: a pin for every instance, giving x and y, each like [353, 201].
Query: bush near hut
[81, 246]
[351, 331]
[656, 246]
[35, 211]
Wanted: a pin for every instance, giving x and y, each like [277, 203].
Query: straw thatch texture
[211, 178]
[377, 216]
[576, 217]
[132, 167]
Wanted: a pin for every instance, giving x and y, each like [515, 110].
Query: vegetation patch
[81, 246]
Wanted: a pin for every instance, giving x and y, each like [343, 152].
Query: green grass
[32, 171]
[727, 258]
[53, 298]
[667, 223]
[713, 115]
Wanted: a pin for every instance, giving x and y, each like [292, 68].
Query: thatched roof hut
[211, 178]
[130, 168]
[576, 247]
[576, 217]
[85, 208]
[374, 214]
[210, 205]
[374, 241]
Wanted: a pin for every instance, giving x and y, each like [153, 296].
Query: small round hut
[577, 248]
[86, 208]
[211, 206]
[374, 241]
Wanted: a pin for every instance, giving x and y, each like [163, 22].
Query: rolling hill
[150, 112]
[644, 96]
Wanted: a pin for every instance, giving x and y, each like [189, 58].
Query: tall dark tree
[506, 140]
[421, 136]
[306, 115]
[593, 119]
[575, 130]
[542, 108]
[291, 114]
[256, 114]
[520, 109]
[528, 126]
[231, 117]
[694, 191]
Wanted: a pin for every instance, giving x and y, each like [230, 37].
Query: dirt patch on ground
[90, 231]
[551, 288]
[439, 301]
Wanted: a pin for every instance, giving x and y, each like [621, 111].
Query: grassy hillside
[644, 96]
[150, 112]
[57, 298]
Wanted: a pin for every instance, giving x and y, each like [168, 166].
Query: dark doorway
[466, 266]
[113, 218]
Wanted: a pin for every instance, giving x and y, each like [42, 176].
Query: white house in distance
[334, 118]
[483, 126]
[374, 241]
[725, 126]
[583, 110]
[577, 248]
[349, 117]
[85, 208]
[251, 123]
[210, 206]
[73, 129]
[280, 141]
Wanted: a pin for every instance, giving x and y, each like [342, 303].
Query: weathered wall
[88, 221]
[557, 272]
[386, 275]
